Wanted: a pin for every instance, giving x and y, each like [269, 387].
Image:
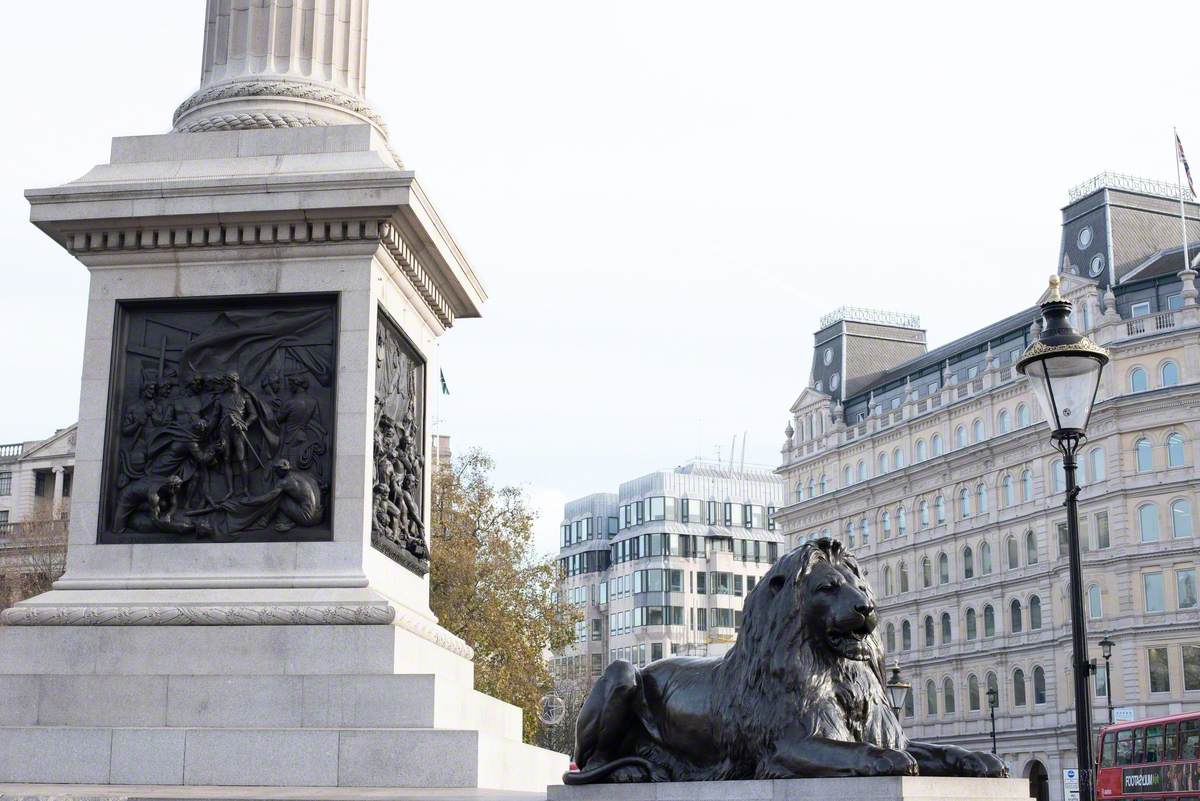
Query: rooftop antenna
[742, 466]
[732, 452]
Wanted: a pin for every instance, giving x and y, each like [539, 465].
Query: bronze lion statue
[801, 694]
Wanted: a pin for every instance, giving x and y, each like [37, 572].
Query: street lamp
[1064, 369]
[1106, 646]
[897, 689]
[993, 702]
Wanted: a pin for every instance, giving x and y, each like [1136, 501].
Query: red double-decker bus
[1149, 760]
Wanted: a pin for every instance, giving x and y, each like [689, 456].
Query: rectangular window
[1185, 588]
[1160, 674]
[613, 526]
[712, 513]
[1175, 302]
[728, 514]
[676, 580]
[701, 579]
[39, 484]
[1191, 669]
[639, 510]
[737, 585]
[701, 619]
[1139, 309]
[770, 518]
[748, 516]
[5, 483]
[1152, 592]
[721, 583]
[656, 651]
[595, 628]
[1102, 541]
[772, 552]
[1064, 542]
[750, 582]
[657, 509]
[1101, 683]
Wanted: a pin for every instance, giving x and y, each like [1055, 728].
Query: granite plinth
[877, 788]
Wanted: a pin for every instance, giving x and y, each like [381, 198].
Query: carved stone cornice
[292, 90]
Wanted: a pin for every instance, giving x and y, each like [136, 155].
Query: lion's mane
[777, 679]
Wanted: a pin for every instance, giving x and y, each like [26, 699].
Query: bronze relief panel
[220, 421]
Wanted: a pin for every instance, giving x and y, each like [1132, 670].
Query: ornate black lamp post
[1064, 369]
[1106, 646]
[897, 690]
[993, 702]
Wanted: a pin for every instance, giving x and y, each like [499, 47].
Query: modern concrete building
[936, 468]
[662, 566]
[35, 479]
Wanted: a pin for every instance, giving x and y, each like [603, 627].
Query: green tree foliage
[490, 587]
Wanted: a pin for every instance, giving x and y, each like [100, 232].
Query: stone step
[300, 702]
[284, 757]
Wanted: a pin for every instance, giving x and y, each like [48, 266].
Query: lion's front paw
[981, 764]
[888, 762]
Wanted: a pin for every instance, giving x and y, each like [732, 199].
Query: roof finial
[1055, 296]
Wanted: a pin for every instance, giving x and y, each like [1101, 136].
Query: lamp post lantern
[1106, 646]
[993, 701]
[897, 690]
[1064, 368]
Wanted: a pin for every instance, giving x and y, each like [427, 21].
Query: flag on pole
[442, 376]
[1183, 160]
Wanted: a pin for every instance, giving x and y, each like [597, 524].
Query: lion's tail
[601, 772]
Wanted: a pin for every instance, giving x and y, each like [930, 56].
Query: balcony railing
[10, 451]
[1150, 323]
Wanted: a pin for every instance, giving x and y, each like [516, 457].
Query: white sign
[1071, 784]
[1122, 714]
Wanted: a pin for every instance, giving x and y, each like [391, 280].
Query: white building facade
[35, 479]
[662, 567]
[937, 470]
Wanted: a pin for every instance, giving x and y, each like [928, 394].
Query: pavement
[110, 792]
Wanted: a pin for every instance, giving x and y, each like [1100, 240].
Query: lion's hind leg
[608, 725]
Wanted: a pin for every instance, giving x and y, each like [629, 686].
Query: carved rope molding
[357, 614]
[271, 233]
[288, 89]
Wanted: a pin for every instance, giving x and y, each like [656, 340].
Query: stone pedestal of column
[881, 788]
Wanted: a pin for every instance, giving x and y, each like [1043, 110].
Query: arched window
[1058, 476]
[989, 621]
[920, 450]
[977, 431]
[1039, 685]
[968, 563]
[960, 437]
[850, 533]
[1002, 422]
[906, 636]
[929, 642]
[972, 625]
[931, 698]
[972, 693]
[812, 488]
[901, 521]
[935, 444]
[926, 573]
[1018, 687]
[964, 503]
[1035, 613]
[903, 577]
[1022, 415]
[939, 509]
[1031, 548]
[1181, 519]
[1175, 450]
[1143, 454]
[993, 686]
[909, 704]
[985, 559]
[1148, 522]
[1015, 618]
[887, 580]
[1169, 374]
[981, 499]
[864, 528]
[883, 463]
[1095, 602]
[943, 569]
[1096, 464]
[824, 484]
[897, 459]
[890, 638]
[862, 470]
[946, 636]
[948, 696]
[1006, 491]
[846, 476]
[1014, 560]
[1137, 380]
[800, 491]
[1026, 486]
[923, 513]
[885, 526]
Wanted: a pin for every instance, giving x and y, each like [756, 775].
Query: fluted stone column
[281, 64]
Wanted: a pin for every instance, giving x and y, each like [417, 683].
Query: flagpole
[1187, 257]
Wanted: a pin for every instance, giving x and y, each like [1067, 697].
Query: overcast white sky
[662, 197]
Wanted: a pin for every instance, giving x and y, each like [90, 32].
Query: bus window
[1108, 751]
[1189, 739]
[1125, 747]
[1171, 742]
[1154, 744]
[1139, 746]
